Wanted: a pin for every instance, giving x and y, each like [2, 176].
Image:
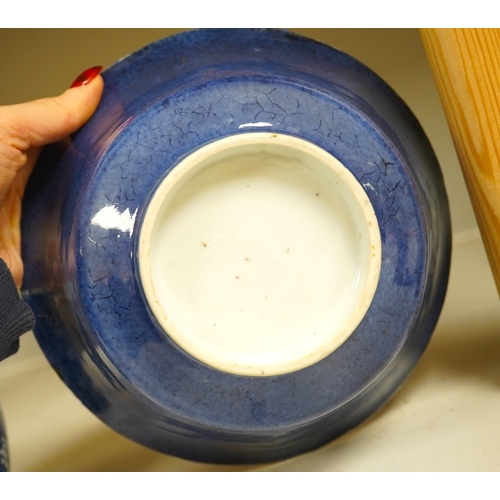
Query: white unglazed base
[259, 254]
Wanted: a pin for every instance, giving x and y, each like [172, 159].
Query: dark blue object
[4, 449]
[159, 105]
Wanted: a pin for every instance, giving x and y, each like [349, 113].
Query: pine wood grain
[466, 67]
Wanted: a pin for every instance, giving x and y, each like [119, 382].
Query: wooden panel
[466, 66]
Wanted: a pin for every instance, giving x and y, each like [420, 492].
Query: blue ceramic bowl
[89, 203]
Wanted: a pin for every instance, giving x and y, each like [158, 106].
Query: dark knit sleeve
[16, 317]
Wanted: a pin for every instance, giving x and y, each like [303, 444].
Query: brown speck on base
[237, 277]
[203, 243]
[317, 194]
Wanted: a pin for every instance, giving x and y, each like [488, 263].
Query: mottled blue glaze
[159, 105]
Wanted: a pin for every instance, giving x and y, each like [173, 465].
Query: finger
[24, 128]
[43, 121]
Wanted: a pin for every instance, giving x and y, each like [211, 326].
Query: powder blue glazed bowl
[88, 198]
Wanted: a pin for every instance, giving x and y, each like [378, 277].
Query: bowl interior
[259, 254]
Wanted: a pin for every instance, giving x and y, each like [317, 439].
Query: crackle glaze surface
[86, 202]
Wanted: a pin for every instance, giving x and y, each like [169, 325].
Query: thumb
[25, 128]
[43, 121]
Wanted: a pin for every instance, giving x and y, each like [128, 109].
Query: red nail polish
[86, 77]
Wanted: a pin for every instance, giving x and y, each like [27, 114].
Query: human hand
[24, 130]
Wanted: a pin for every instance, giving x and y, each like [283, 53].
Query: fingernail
[86, 77]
